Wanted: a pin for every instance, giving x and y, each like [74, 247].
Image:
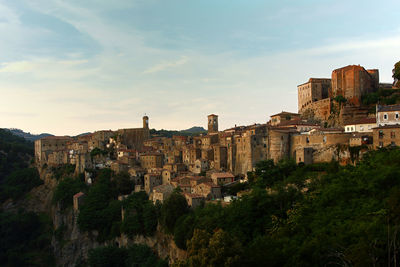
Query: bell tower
[145, 122]
[212, 123]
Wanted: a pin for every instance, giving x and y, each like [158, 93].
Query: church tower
[212, 123]
[145, 122]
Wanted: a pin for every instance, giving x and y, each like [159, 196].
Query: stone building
[134, 138]
[324, 144]
[194, 200]
[364, 125]
[162, 192]
[151, 160]
[209, 191]
[354, 81]
[190, 154]
[220, 157]
[276, 119]
[222, 178]
[78, 199]
[314, 90]
[212, 123]
[388, 135]
[151, 180]
[47, 145]
[201, 165]
[387, 115]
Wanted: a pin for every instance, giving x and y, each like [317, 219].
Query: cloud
[166, 65]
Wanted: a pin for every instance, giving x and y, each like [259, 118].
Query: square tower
[212, 123]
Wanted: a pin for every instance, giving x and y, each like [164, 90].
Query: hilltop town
[332, 123]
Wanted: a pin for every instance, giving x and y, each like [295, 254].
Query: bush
[66, 189]
[19, 182]
[141, 215]
[174, 207]
[136, 255]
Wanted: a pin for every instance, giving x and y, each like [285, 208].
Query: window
[380, 144]
[324, 139]
[397, 116]
[307, 140]
[392, 134]
[380, 134]
[385, 116]
[361, 128]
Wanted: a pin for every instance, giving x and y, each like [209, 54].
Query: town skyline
[69, 68]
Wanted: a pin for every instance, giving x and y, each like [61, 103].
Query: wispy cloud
[166, 65]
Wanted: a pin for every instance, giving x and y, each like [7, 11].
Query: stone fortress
[201, 165]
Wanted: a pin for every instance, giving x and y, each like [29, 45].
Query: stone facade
[47, 145]
[353, 81]
[388, 135]
[212, 123]
[387, 115]
[314, 90]
[151, 160]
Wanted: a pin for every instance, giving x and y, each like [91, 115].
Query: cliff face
[70, 245]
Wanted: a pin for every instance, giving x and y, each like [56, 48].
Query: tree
[396, 71]
[218, 249]
[65, 191]
[174, 207]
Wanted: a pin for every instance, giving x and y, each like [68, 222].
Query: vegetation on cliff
[25, 239]
[314, 215]
[25, 236]
[396, 72]
[135, 255]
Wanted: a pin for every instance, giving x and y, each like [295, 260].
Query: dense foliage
[396, 73]
[63, 170]
[101, 211]
[382, 96]
[25, 240]
[18, 183]
[15, 153]
[135, 255]
[141, 216]
[66, 189]
[315, 215]
[173, 207]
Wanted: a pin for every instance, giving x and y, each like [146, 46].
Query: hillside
[28, 136]
[169, 133]
[25, 236]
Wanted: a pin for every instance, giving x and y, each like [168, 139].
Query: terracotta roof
[314, 80]
[387, 126]
[79, 194]
[285, 113]
[297, 122]
[56, 137]
[363, 121]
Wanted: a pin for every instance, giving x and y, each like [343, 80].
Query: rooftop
[283, 113]
[363, 121]
[389, 108]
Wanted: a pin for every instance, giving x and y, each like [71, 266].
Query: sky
[68, 67]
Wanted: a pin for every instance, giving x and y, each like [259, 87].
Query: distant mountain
[194, 130]
[28, 136]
